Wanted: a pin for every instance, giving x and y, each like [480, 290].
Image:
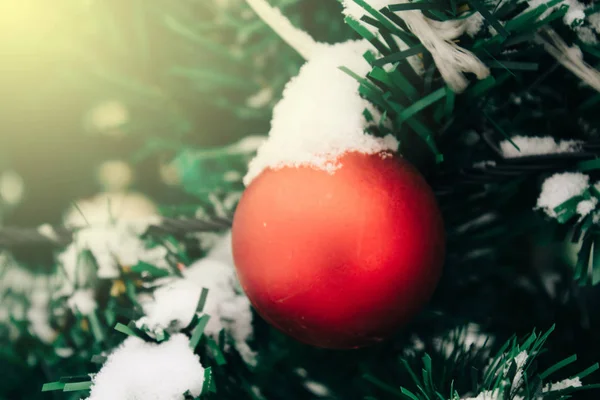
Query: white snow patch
[585, 207]
[586, 35]
[82, 300]
[15, 278]
[222, 250]
[139, 370]
[207, 240]
[113, 247]
[174, 304]
[8, 311]
[228, 308]
[26, 297]
[320, 116]
[559, 188]
[38, 316]
[533, 145]
[576, 11]
[520, 361]
[564, 384]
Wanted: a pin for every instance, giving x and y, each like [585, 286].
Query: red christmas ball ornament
[339, 260]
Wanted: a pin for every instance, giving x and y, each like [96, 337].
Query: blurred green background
[87, 81]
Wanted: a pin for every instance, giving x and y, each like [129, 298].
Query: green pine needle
[198, 331]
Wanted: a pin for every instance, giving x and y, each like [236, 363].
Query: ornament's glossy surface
[339, 260]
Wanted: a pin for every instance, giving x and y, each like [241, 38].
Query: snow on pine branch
[550, 387]
[174, 303]
[114, 244]
[113, 247]
[519, 362]
[83, 301]
[172, 307]
[26, 298]
[512, 374]
[502, 374]
[109, 226]
[140, 370]
[562, 385]
[321, 114]
[561, 187]
[534, 145]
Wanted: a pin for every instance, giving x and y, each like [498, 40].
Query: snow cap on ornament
[320, 116]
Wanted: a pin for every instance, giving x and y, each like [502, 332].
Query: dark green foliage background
[171, 63]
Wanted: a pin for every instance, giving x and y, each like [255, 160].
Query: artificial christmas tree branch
[523, 138]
